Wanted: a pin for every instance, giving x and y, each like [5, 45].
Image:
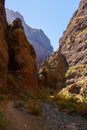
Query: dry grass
[34, 107]
[3, 122]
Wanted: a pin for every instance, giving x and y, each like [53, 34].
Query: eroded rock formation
[21, 57]
[36, 37]
[73, 47]
[17, 57]
[52, 71]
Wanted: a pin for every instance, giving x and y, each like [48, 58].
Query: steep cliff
[73, 45]
[21, 58]
[17, 58]
[3, 47]
[73, 48]
[38, 39]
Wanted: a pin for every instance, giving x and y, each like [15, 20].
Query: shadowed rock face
[17, 57]
[21, 57]
[3, 47]
[73, 47]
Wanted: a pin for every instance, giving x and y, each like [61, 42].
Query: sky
[52, 16]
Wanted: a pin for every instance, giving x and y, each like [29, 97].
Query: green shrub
[46, 94]
[28, 96]
[3, 122]
[34, 107]
[67, 105]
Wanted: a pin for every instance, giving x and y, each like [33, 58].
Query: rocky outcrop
[52, 71]
[3, 47]
[73, 44]
[71, 67]
[38, 39]
[73, 47]
[17, 58]
[21, 58]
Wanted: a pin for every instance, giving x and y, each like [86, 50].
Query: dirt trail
[20, 120]
[51, 119]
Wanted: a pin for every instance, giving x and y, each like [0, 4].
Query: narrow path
[51, 119]
[20, 120]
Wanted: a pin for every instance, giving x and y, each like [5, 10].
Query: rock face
[17, 57]
[73, 45]
[52, 71]
[3, 47]
[21, 57]
[73, 48]
[38, 39]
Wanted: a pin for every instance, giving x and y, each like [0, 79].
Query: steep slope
[73, 48]
[38, 39]
[52, 71]
[3, 47]
[17, 58]
[21, 58]
[73, 45]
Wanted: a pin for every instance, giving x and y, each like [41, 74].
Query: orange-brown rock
[21, 58]
[3, 47]
[17, 57]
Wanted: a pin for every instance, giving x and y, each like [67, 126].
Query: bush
[67, 105]
[3, 122]
[71, 105]
[34, 107]
[46, 94]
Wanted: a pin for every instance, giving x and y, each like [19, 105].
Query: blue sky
[52, 16]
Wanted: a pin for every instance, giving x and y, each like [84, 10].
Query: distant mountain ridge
[37, 37]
